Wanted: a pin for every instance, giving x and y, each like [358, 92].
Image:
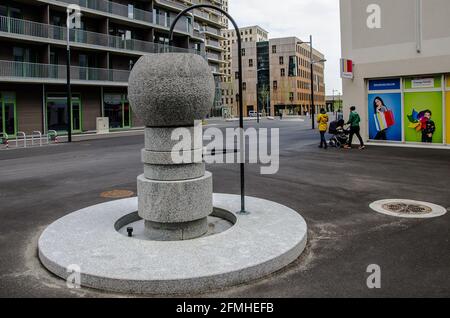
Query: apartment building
[113, 35]
[400, 80]
[251, 34]
[276, 77]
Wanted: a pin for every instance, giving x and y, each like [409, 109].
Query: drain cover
[117, 194]
[408, 208]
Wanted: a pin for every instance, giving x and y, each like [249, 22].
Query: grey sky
[298, 18]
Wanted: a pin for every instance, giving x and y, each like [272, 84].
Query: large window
[293, 66]
[8, 121]
[57, 113]
[117, 109]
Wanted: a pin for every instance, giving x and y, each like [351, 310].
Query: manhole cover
[408, 208]
[117, 194]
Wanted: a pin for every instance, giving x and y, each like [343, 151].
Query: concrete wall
[392, 50]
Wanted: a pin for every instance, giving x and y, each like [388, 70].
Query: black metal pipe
[241, 104]
[313, 107]
[69, 99]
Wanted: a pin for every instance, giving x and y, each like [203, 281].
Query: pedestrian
[322, 120]
[354, 121]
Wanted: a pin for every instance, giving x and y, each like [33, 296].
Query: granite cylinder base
[175, 201]
[176, 231]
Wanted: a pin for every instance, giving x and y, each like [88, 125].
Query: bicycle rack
[4, 139]
[24, 138]
[33, 136]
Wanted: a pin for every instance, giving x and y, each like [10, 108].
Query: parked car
[253, 113]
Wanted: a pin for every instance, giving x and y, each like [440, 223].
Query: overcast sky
[300, 18]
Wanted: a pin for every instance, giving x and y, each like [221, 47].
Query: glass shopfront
[117, 108]
[57, 113]
[8, 116]
[447, 109]
[411, 110]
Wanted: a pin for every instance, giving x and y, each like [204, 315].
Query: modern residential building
[397, 58]
[251, 34]
[276, 76]
[113, 35]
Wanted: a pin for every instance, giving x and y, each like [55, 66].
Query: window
[292, 66]
[244, 86]
[236, 75]
[283, 72]
[291, 96]
[250, 62]
[274, 49]
[275, 85]
[281, 60]
[243, 52]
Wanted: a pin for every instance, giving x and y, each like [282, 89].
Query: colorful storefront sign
[447, 109]
[346, 68]
[423, 82]
[385, 116]
[384, 84]
[410, 109]
[423, 117]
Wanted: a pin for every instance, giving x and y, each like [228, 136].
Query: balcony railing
[35, 71]
[214, 56]
[52, 32]
[180, 6]
[114, 8]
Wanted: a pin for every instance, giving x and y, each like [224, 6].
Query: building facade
[277, 77]
[400, 53]
[251, 34]
[113, 35]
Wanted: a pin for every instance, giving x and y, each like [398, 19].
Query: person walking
[354, 121]
[322, 120]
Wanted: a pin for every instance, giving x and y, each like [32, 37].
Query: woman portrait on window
[380, 107]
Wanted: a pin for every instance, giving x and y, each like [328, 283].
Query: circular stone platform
[408, 208]
[268, 239]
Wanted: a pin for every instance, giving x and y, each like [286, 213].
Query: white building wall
[414, 40]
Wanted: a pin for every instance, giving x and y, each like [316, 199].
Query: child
[428, 127]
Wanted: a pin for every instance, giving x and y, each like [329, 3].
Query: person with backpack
[354, 121]
[322, 120]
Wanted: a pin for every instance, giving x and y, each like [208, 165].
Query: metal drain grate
[117, 194]
[405, 208]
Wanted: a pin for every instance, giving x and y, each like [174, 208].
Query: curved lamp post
[241, 111]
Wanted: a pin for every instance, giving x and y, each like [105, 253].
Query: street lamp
[240, 99]
[312, 62]
[71, 24]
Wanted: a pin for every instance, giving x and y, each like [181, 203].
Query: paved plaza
[331, 189]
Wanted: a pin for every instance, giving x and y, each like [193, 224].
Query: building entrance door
[8, 119]
[57, 114]
[117, 109]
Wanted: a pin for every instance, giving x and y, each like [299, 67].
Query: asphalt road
[331, 189]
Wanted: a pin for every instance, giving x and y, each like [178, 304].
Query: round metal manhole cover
[117, 194]
[408, 208]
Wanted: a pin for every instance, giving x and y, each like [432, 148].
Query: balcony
[110, 7]
[213, 17]
[11, 71]
[18, 28]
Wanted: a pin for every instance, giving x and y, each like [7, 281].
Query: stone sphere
[171, 89]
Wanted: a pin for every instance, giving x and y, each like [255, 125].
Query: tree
[264, 94]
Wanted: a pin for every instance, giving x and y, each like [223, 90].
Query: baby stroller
[340, 135]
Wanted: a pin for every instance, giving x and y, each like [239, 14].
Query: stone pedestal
[169, 92]
[175, 198]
